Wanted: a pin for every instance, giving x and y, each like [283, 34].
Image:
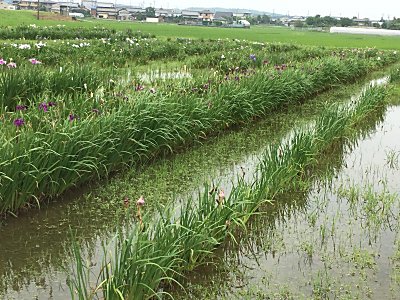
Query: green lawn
[256, 33]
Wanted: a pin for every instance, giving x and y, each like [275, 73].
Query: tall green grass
[23, 85]
[43, 161]
[120, 52]
[395, 74]
[146, 258]
[59, 32]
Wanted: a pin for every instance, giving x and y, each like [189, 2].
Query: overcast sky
[373, 9]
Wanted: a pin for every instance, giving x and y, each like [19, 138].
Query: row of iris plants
[28, 79]
[65, 142]
[120, 52]
[156, 250]
[126, 49]
[19, 82]
[21, 86]
[278, 59]
[60, 32]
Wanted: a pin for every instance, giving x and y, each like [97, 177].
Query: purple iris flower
[43, 106]
[139, 88]
[19, 122]
[21, 107]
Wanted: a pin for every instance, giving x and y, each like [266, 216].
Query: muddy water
[339, 238]
[34, 247]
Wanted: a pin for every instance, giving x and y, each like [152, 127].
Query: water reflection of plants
[176, 175]
[340, 254]
[157, 124]
[65, 107]
[187, 240]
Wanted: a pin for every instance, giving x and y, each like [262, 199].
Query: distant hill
[235, 10]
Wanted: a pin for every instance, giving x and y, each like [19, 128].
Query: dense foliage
[155, 251]
[75, 111]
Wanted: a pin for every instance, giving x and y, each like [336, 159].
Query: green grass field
[256, 33]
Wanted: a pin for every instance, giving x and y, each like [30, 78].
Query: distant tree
[150, 12]
[391, 24]
[140, 17]
[259, 19]
[265, 19]
[329, 21]
[394, 25]
[298, 24]
[314, 21]
[252, 20]
[346, 22]
[311, 21]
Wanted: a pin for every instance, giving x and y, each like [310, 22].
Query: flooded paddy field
[338, 238]
[339, 232]
[129, 177]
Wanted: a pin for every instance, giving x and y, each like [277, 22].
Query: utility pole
[38, 4]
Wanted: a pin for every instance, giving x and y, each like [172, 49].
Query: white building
[6, 6]
[245, 23]
[358, 30]
[90, 4]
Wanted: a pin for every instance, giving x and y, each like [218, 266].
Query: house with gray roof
[206, 15]
[223, 15]
[102, 12]
[32, 4]
[190, 15]
[160, 12]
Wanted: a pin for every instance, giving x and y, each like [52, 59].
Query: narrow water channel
[34, 248]
[337, 239]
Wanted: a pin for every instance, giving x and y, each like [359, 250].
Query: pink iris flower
[34, 61]
[140, 202]
[2, 62]
[12, 65]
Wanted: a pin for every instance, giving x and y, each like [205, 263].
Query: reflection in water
[34, 247]
[335, 234]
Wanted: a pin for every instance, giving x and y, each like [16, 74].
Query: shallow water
[338, 239]
[34, 247]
